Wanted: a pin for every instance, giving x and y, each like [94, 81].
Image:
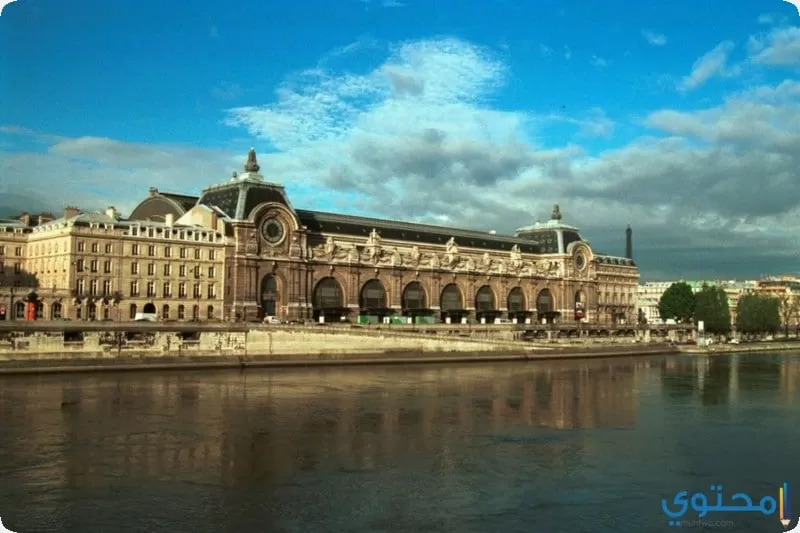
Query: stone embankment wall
[272, 342]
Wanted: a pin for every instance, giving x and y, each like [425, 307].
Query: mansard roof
[614, 260]
[332, 223]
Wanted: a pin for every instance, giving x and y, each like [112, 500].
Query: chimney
[169, 219]
[25, 218]
[629, 243]
[111, 212]
[214, 220]
[70, 212]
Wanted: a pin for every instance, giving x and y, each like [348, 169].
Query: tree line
[756, 314]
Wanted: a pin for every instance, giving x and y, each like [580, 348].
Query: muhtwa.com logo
[4, 3]
[3, 528]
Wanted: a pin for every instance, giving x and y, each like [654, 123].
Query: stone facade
[241, 251]
[99, 266]
[298, 264]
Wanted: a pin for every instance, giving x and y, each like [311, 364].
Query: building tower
[629, 243]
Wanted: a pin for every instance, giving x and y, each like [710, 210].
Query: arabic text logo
[4, 529]
[741, 503]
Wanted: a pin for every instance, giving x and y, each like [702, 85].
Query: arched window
[516, 300]
[269, 296]
[165, 312]
[544, 302]
[181, 312]
[451, 298]
[373, 295]
[210, 312]
[55, 311]
[484, 300]
[39, 309]
[328, 294]
[195, 312]
[414, 296]
[19, 311]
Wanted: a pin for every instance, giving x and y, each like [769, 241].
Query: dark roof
[320, 222]
[185, 201]
[226, 197]
[611, 260]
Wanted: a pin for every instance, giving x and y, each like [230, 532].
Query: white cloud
[598, 62]
[419, 137]
[781, 47]
[656, 39]
[712, 64]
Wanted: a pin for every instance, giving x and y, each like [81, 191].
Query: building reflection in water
[718, 380]
[256, 426]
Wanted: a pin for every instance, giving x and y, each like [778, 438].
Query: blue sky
[677, 117]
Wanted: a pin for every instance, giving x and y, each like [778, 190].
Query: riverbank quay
[725, 349]
[114, 346]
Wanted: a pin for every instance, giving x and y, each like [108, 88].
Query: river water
[545, 447]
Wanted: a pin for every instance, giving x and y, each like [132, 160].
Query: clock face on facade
[272, 230]
[580, 261]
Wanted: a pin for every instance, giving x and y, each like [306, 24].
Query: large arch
[451, 303]
[414, 303]
[414, 297]
[372, 301]
[149, 308]
[269, 296]
[545, 306]
[580, 305]
[328, 299]
[517, 305]
[486, 304]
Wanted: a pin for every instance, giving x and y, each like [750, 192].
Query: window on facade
[79, 265]
[212, 255]
[134, 249]
[165, 312]
[94, 248]
[212, 272]
[79, 287]
[133, 311]
[135, 268]
[106, 287]
[81, 246]
[168, 251]
[197, 290]
[182, 290]
[2, 250]
[151, 250]
[17, 268]
[181, 312]
[182, 271]
[151, 269]
[167, 269]
[183, 253]
[167, 290]
[210, 312]
[134, 288]
[197, 254]
[151, 289]
[93, 265]
[106, 267]
[93, 287]
[109, 248]
[195, 312]
[212, 290]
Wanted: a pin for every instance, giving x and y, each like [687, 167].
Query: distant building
[649, 294]
[242, 251]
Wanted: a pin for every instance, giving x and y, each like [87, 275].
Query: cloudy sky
[680, 117]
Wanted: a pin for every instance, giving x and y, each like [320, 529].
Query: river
[544, 447]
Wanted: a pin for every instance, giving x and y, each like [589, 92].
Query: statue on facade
[516, 257]
[487, 260]
[556, 214]
[330, 247]
[352, 255]
[374, 245]
[374, 238]
[502, 267]
[451, 247]
[415, 255]
[434, 261]
[251, 165]
[470, 264]
[396, 259]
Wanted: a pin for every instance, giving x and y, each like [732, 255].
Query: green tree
[757, 314]
[677, 303]
[711, 307]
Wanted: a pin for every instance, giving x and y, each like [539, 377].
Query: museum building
[299, 264]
